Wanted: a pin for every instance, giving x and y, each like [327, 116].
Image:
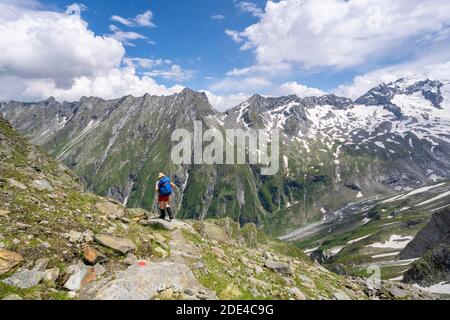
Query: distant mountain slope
[379, 231]
[334, 150]
[432, 246]
[436, 232]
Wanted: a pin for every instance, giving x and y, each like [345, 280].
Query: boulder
[41, 185]
[142, 280]
[75, 236]
[99, 270]
[211, 231]
[41, 264]
[130, 259]
[51, 275]
[279, 267]
[158, 223]
[16, 184]
[307, 282]
[9, 260]
[110, 209]
[297, 294]
[12, 297]
[81, 276]
[137, 213]
[121, 245]
[92, 256]
[341, 296]
[25, 279]
[160, 252]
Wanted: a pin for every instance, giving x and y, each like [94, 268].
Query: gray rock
[142, 280]
[16, 184]
[158, 223]
[41, 185]
[88, 236]
[130, 259]
[99, 269]
[75, 236]
[41, 264]
[81, 276]
[297, 294]
[25, 279]
[51, 275]
[12, 297]
[279, 267]
[188, 292]
[341, 296]
[307, 282]
[398, 293]
[121, 245]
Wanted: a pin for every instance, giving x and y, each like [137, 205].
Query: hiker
[164, 188]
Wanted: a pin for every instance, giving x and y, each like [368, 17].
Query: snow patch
[391, 254]
[395, 242]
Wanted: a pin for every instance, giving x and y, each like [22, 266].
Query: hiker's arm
[174, 186]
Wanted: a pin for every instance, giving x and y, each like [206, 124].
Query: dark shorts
[163, 198]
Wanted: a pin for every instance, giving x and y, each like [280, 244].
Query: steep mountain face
[333, 150]
[432, 246]
[58, 241]
[436, 232]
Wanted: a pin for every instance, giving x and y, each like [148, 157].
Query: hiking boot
[169, 211]
[163, 214]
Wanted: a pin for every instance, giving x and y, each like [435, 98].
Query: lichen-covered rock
[142, 280]
[280, 267]
[80, 277]
[93, 256]
[41, 185]
[211, 231]
[110, 209]
[25, 279]
[121, 245]
[9, 260]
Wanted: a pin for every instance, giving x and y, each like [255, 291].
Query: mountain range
[334, 150]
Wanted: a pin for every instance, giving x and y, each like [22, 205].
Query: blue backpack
[165, 187]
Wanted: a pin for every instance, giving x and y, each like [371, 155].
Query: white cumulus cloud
[344, 34]
[141, 20]
[52, 53]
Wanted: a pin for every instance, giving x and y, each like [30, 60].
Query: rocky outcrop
[436, 232]
[144, 280]
[432, 245]
[432, 268]
[121, 245]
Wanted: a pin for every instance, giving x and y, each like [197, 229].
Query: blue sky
[185, 33]
[230, 49]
